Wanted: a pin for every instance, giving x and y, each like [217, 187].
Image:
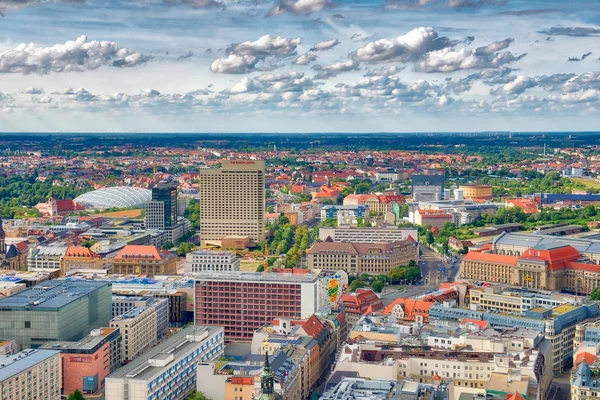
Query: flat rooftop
[87, 343]
[17, 363]
[52, 294]
[281, 277]
[177, 345]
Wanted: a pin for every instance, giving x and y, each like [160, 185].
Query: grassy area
[588, 183]
[121, 214]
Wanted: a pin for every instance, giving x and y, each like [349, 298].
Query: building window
[27, 324]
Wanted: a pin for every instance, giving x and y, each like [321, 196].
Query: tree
[356, 284]
[76, 395]
[429, 239]
[197, 396]
[413, 273]
[377, 286]
[595, 294]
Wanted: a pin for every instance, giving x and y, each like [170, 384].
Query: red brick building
[87, 362]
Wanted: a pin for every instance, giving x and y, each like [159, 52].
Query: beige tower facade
[232, 201]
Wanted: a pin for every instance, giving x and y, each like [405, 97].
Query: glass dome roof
[119, 196]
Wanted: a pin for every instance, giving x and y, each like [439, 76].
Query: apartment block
[214, 261]
[362, 258]
[87, 362]
[55, 310]
[232, 201]
[30, 374]
[168, 370]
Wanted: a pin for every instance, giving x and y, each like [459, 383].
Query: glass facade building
[55, 311]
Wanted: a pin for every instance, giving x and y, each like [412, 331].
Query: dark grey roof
[50, 295]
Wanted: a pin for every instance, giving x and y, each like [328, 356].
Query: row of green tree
[19, 193]
[410, 272]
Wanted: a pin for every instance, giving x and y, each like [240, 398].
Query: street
[432, 278]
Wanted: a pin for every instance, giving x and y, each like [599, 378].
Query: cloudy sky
[299, 65]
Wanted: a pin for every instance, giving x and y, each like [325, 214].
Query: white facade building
[167, 371]
[212, 261]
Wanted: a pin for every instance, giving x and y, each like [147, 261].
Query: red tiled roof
[134, 251]
[478, 322]
[80, 252]
[313, 327]
[493, 258]
[588, 357]
[412, 307]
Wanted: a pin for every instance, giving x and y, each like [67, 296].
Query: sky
[299, 65]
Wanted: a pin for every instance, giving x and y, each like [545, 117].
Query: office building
[30, 374]
[142, 327]
[124, 304]
[161, 211]
[55, 310]
[232, 201]
[362, 258]
[87, 362]
[242, 302]
[46, 258]
[366, 235]
[214, 261]
[168, 370]
[428, 187]
[144, 260]
[178, 290]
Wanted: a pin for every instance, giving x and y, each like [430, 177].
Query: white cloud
[299, 6]
[335, 68]
[408, 47]
[74, 55]
[33, 90]
[406, 4]
[305, 59]
[385, 71]
[325, 45]
[449, 59]
[243, 57]
[195, 3]
[234, 64]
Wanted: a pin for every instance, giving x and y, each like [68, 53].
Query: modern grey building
[428, 187]
[358, 388]
[168, 370]
[55, 310]
[366, 235]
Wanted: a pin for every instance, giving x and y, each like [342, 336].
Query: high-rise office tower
[232, 201]
[161, 211]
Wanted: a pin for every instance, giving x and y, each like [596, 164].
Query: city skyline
[335, 66]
